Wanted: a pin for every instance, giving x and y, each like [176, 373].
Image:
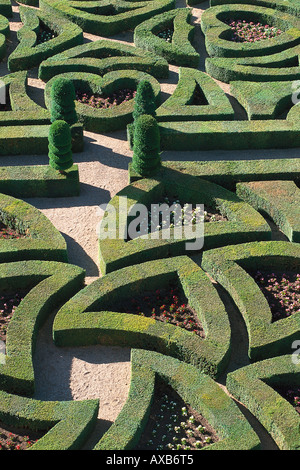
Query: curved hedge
[103, 56]
[180, 50]
[254, 385]
[90, 316]
[28, 53]
[230, 266]
[110, 119]
[196, 388]
[244, 223]
[51, 283]
[44, 241]
[109, 19]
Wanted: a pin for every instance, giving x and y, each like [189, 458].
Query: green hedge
[39, 181]
[103, 56]
[288, 6]
[109, 19]
[280, 200]
[198, 389]
[228, 173]
[6, 8]
[244, 223]
[255, 385]
[28, 53]
[180, 50]
[230, 266]
[44, 241]
[218, 35]
[66, 424]
[4, 34]
[51, 283]
[91, 316]
[111, 119]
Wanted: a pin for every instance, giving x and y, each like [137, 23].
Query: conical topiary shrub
[144, 102]
[146, 146]
[60, 146]
[62, 101]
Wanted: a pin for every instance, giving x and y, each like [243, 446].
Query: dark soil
[14, 438]
[173, 424]
[100, 101]
[8, 304]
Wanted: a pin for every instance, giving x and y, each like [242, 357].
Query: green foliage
[63, 101]
[144, 100]
[146, 145]
[60, 146]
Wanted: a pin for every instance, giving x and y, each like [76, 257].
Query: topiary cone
[146, 146]
[62, 101]
[144, 102]
[60, 146]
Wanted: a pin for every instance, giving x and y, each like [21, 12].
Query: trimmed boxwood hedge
[90, 317]
[228, 173]
[253, 386]
[103, 56]
[39, 181]
[244, 223]
[51, 283]
[230, 266]
[45, 241]
[218, 34]
[288, 6]
[108, 19]
[66, 424]
[280, 200]
[111, 119]
[28, 53]
[198, 389]
[180, 50]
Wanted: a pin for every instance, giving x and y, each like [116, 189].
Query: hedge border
[45, 241]
[111, 119]
[244, 224]
[101, 325]
[196, 388]
[217, 33]
[51, 283]
[180, 50]
[39, 181]
[103, 56]
[28, 54]
[70, 422]
[252, 385]
[107, 24]
[288, 6]
[280, 200]
[230, 265]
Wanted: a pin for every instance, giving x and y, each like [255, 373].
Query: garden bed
[9, 233]
[8, 304]
[282, 290]
[99, 101]
[45, 34]
[291, 394]
[166, 34]
[174, 424]
[13, 438]
[249, 31]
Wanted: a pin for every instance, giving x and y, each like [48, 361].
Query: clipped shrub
[144, 100]
[60, 146]
[146, 145]
[63, 101]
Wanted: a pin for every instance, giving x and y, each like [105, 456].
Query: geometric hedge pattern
[253, 197]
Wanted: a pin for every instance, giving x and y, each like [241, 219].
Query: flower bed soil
[174, 425]
[166, 305]
[103, 102]
[243, 31]
[8, 304]
[14, 438]
[282, 290]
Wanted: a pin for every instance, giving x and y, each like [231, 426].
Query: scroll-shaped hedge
[180, 50]
[92, 317]
[196, 388]
[29, 53]
[44, 241]
[233, 267]
[243, 223]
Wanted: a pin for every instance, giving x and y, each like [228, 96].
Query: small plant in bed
[174, 424]
[282, 291]
[166, 34]
[8, 304]
[104, 102]
[244, 31]
[166, 305]
[45, 34]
